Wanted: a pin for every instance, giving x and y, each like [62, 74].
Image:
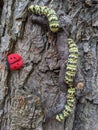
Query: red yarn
[14, 61]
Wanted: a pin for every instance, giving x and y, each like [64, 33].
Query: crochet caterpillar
[49, 13]
[69, 78]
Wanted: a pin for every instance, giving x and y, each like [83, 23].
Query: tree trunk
[32, 96]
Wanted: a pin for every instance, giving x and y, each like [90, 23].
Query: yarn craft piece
[49, 13]
[71, 68]
[14, 61]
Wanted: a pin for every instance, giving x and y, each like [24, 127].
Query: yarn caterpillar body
[71, 63]
[69, 78]
[49, 13]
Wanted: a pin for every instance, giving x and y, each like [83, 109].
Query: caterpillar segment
[49, 13]
[69, 105]
[71, 68]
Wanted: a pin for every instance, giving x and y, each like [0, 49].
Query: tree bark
[32, 96]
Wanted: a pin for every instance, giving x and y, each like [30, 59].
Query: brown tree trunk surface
[31, 93]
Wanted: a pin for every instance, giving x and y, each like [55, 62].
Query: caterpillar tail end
[30, 7]
[58, 118]
[54, 30]
[54, 27]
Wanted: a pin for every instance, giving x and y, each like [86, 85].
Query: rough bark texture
[37, 91]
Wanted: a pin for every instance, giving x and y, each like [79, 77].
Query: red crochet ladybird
[14, 61]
